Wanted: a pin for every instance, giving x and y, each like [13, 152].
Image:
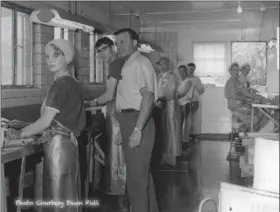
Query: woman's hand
[13, 134]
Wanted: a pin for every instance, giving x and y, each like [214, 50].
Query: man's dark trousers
[140, 184]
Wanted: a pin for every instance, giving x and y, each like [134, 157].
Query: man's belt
[129, 110]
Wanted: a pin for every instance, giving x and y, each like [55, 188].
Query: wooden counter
[13, 153]
[10, 154]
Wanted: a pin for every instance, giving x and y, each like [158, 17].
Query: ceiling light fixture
[52, 17]
[239, 8]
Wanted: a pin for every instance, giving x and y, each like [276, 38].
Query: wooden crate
[242, 199]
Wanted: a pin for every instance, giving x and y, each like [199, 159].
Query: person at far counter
[196, 107]
[115, 168]
[185, 91]
[62, 120]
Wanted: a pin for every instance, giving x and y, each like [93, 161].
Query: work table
[10, 154]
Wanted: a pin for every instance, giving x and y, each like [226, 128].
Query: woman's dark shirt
[65, 96]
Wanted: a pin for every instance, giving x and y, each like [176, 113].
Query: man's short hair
[133, 35]
[183, 66]
[104, 41]
[192, 65]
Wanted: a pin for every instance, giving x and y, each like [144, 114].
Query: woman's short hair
[104, 41]
[245, 65]
[232, 65]
[192, 65]
[183, 66]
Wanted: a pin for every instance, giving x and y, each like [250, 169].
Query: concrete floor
[182, 191]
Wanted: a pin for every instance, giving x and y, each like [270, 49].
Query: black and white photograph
[139, 106]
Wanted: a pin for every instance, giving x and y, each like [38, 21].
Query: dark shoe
[185, 146]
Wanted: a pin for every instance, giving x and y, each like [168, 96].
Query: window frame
[225, 43]
[16, 8]
[95, 38]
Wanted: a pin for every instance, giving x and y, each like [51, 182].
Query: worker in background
[115, 168]
[185, 93]
[168, 83]
[196, 107]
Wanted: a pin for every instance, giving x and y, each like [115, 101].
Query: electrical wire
[261, 26]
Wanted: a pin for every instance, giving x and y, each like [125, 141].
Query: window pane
[210, 60]
[57, 33]
[91, 57]
[253, 53]
[23, 50]
[99, 69]
[210, 67]
[209, 50]
[65, 34]
[85, 40]
[7, 46]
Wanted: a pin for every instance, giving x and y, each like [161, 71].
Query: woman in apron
[62, 118]
[171, 115]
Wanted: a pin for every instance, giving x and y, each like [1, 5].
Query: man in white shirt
[185, 91]
[136, 95]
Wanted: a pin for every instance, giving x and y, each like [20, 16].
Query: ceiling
[160, 13]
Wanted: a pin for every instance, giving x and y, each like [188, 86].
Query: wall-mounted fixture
[155, 47]
[52, 17]
[145, 48]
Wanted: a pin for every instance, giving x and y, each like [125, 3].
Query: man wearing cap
[136, 94]
[115, 176]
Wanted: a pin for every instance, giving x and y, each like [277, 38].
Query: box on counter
[249, 154]
[248, 141]
[247, 170]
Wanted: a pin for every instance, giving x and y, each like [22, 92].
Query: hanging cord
[244, 35]
[273, 29]
[261, 26]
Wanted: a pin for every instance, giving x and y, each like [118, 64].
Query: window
[67, 35]
[16, 48]
[91, 68]
[210, 61]
[97, 66]
[253, 53]
[63, 33]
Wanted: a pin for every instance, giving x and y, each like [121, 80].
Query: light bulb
[239, 9]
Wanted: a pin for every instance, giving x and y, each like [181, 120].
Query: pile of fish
[9, 131]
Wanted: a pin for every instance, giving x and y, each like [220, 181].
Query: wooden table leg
[39, 184]
[87, 168]
[21, 181]
[3, 190]
[252, 120]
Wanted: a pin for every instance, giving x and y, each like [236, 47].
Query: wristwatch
[96, 102]
[137, 129]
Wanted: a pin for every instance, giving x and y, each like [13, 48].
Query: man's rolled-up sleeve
[145, 77]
